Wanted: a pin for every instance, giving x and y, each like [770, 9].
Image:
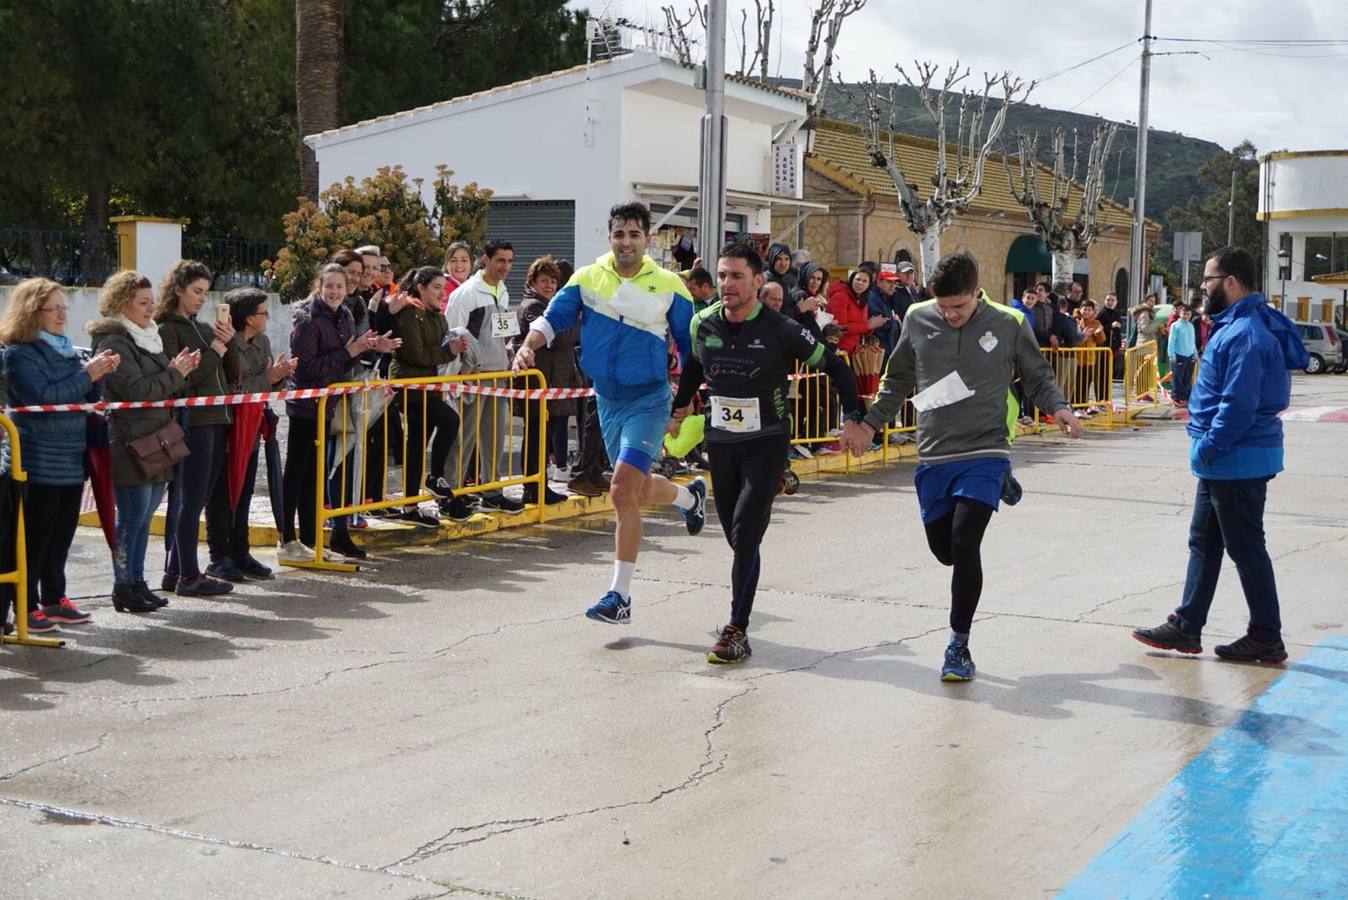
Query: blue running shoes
[611, 608]
[696, 517]
[959, 665]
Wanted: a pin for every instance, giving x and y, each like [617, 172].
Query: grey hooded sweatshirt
[988, 352]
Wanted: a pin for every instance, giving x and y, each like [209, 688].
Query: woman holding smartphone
[182, 294]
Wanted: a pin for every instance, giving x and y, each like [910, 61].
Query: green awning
[1027, 254]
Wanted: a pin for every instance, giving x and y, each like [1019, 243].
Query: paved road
[451, 723]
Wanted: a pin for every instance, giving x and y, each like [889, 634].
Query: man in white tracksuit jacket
[481, 306]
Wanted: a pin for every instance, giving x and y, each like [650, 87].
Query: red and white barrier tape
[308, 394]
[314, 393]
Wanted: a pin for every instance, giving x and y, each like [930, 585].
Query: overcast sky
[1280, 97]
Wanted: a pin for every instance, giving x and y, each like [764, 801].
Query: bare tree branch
[1066, 236]
[678, 32]
[956, 182]
[825, 28]
[744, 42]
[763, 38]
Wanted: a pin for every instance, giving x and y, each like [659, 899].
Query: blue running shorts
[939, 484]
[634, 428]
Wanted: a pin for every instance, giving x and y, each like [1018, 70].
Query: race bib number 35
[504, 325]
[737, 414]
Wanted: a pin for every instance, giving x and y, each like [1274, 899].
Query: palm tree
[318, 78]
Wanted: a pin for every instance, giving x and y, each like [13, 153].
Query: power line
[1276, 41]
[1108, 82]
[1087, 62]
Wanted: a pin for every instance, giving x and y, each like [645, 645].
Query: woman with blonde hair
[127, 329]
[43, 366]
[182, 294]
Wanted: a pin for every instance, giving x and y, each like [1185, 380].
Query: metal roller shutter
[535, 228]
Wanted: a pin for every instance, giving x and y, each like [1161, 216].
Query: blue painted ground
[1262, 812]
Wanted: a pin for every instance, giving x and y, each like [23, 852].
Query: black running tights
[744, 478]
[957, 540]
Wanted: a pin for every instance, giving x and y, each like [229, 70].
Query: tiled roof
[839, 153]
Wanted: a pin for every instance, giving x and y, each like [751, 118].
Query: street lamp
[1284, 265]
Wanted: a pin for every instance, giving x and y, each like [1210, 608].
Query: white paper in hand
[950, 389]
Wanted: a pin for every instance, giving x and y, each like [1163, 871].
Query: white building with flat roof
[558, 150]
[1303, 200]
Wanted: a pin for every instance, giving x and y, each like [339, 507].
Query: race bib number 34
[504, 325]
[737, 414]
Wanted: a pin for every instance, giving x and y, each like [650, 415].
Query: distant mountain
[1172, 158]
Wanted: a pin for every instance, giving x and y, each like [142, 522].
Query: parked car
[1323, 344]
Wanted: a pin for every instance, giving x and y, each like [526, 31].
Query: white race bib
[950, 389]
[504, 325]
[736, 414]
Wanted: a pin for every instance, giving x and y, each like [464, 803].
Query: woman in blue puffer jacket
[43, 367]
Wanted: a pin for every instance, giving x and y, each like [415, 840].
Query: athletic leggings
[957, 540]
[744, 477]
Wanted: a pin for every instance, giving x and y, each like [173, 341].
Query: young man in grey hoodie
[962, 353]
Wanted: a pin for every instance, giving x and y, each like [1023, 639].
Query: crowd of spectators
[359, 323]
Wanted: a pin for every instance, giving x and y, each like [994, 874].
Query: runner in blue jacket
[628, 307]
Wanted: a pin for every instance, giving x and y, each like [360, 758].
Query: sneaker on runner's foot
[731, 647]
[696, 517]
[611, 608]
[959, 664]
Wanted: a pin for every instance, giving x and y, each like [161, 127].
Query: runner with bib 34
[745, 352]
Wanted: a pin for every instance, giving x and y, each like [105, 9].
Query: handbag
[158, 451]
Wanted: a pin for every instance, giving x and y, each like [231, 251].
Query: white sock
[684, 499]
[622, 578]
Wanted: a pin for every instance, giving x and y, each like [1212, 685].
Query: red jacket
[849, 313]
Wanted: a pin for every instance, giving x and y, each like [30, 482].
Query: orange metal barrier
[19, 576]
[483, 457]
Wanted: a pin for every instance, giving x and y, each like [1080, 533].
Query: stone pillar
[148, 244]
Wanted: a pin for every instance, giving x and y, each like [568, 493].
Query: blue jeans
[135, 506]
[1229, 517]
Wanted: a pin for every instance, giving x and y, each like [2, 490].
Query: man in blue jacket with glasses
[1244, 383]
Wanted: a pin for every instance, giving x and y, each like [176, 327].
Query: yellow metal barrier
[816, 412]
[19, 577]
[1085, 376]
[1141, 378]
[481, 459]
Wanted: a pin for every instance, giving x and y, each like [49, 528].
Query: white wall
[1303, 182]
[661, 144]
[518, 145]
[535, 142]
[83, 304]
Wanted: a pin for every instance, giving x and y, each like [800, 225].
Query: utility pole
[711, 182]
[1231, 213]
[1138, 283]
